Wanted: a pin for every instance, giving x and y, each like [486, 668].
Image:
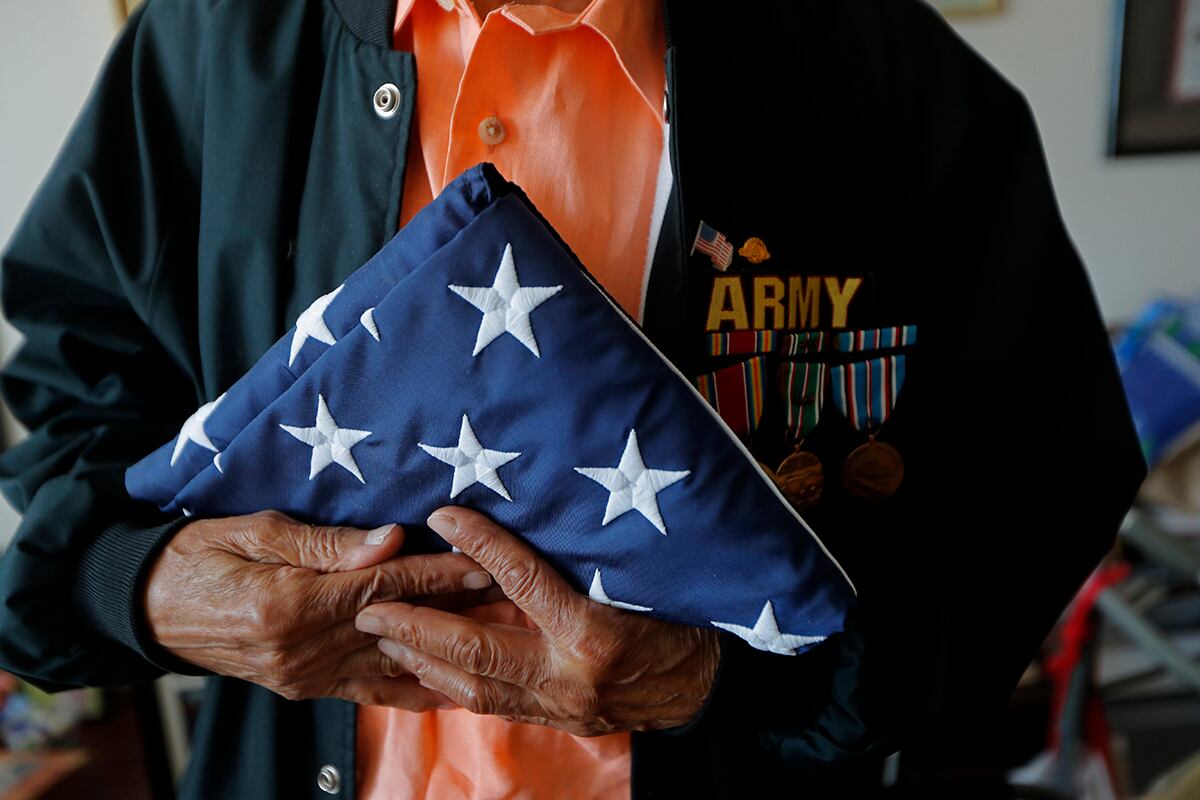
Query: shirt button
[329, 780]
[491, 131]
[387, 101]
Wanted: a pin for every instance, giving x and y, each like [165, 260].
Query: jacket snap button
[387, 101]
[329, 780]
[491, 131]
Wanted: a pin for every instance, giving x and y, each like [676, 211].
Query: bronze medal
[801, 479]
[801, 476]
[873, 471]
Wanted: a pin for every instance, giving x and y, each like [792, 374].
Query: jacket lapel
[699, 90]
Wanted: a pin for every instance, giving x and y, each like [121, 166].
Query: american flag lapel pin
[712, 242]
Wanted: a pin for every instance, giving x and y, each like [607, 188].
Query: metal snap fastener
[329, 780]
[491, 131]
[387, 101]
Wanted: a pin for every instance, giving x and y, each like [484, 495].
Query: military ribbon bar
[748, 342]
[802, 344]
[876, 338]
[804, 389]
[741, 342]
[736, 392]
[865, 391]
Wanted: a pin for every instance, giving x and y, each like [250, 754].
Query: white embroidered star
[311, 324]
[506, 305]
[330, 443]
[633, 486]
[765, 634]
[193, 430]
[597, 593]
[472, 462]
[368, 321]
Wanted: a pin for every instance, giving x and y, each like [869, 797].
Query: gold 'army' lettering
[795, 305]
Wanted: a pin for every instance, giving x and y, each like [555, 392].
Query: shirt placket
[463, 145]
[480, 129]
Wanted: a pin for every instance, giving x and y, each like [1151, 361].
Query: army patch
[781, 302]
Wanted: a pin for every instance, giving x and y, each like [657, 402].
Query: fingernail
[477, 580]
[442, 524]
[369, 622]
[379, 535]
[392, 649]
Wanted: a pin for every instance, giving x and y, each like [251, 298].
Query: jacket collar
[369, 20]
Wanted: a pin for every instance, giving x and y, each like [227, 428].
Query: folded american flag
[473, 360]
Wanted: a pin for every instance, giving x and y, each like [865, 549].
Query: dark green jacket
[229, 167]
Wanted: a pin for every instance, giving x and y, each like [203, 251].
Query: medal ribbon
[738, 342]
[865, 391]
[736, 392]
[875, 338]
[748, 342]
[804, 388]
[803, 344]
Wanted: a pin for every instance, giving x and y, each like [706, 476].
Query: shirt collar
[633, 28]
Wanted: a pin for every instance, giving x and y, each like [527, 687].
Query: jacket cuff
[110, 582]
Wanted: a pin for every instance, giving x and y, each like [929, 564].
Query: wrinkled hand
[587, 668]
[270, 600]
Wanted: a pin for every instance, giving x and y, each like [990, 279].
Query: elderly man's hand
[272, 601]
[588, 668]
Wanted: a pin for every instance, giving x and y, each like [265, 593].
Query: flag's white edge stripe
[662, 192]
[728, 432]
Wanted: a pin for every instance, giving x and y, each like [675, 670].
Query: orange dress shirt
[569, 105]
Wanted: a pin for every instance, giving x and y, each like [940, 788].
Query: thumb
[274, 538]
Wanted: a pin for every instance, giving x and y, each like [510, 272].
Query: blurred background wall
[1135, 220]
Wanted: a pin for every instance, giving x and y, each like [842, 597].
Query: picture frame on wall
[1185, 71]
[957, 7]
[1155, 106]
